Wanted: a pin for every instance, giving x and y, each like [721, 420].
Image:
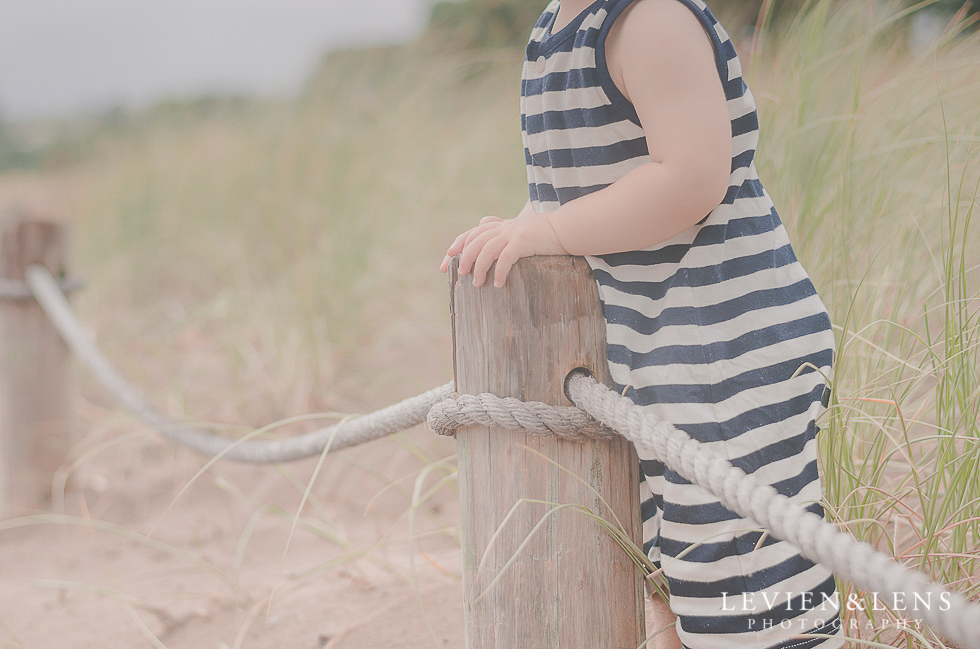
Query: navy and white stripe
[718, 331]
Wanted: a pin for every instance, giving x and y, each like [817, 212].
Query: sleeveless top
[718, 331]
[702, 326]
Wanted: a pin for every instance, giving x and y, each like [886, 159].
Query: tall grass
[871, 152]
[258, 261]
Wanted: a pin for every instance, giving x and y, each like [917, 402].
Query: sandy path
[131, 564]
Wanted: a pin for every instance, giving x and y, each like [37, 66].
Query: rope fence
[351, 432]
[599, 413]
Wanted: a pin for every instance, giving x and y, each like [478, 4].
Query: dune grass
[256, 261]
[873, 157]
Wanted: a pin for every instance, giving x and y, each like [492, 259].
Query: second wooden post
[539, 571]
[35, 371]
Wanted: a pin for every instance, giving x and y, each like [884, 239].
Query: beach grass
[873, 158]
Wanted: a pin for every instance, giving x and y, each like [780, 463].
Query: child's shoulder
[660, 21]
[660, 43]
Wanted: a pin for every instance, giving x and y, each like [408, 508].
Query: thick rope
[350, 432]
[513, 414]
[818, 540]
[954, 617]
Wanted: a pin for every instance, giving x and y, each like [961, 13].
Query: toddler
[639, 137]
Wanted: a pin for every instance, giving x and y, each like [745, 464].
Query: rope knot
[533, 417]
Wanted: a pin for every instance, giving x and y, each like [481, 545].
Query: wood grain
[569, 584]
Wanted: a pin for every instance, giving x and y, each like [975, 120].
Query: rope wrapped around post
[602, 411]
[532, 416]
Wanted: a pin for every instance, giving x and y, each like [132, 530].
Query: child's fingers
[480, 255]
[465, 241]
[457, 246]
[471, 250]
[458, 243]
[505, 261]
[488, 254]
[480, 229]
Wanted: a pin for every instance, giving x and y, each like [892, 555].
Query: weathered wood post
[570, 585]
[35, 398]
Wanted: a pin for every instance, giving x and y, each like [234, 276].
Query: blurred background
[260, 195]
[59, 58]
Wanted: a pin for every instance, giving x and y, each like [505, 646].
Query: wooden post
[35, 408]
[570, 585]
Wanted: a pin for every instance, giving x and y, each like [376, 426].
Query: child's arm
[662, 60]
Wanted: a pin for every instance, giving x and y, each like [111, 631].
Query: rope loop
[533, 417]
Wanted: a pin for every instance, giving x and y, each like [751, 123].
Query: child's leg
[731, 583]
[734, 585]
[660, 625]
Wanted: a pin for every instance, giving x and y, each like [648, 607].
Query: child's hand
[460, 242]
[504, 242]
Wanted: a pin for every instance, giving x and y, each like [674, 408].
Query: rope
[817, 540]
[949, 613]
[602, 411]
[351, 432]
[513, 414]
[11, 289]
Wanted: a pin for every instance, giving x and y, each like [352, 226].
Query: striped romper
[718, 331]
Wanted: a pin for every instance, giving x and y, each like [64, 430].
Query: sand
[137, 555]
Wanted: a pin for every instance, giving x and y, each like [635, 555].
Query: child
[639, 138]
